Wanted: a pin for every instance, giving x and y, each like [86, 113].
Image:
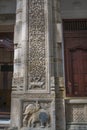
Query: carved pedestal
[33, 95]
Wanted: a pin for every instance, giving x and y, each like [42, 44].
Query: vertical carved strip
[37, 45]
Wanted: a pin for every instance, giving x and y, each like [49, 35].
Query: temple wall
[33, 77]
[38, 98]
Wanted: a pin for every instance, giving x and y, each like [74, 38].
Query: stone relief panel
[36, 114]
[37, 45]
[76, 113]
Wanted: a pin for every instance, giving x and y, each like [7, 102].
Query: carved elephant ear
[29, 109]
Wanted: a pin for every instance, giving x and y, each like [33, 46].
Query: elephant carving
[34, 115]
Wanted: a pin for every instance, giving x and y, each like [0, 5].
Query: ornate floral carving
[37, 65]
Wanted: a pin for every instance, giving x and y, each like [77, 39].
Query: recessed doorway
[75, 50]
[6, 72]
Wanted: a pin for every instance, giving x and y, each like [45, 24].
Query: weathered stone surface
[37, 115]
[38, 45]
[33, 79]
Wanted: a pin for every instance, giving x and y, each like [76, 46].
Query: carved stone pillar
[33, 91]
[58, 63]
[20, 48]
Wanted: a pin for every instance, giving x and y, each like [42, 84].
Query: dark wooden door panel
[77, 72]
[84, 64]
[76, 63]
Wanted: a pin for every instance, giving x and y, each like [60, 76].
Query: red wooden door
[79, 71]
[76, 63]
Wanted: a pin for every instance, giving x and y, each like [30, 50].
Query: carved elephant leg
[33, 123]
[42, 125]
[34, 119]
[48, 124]
[29, 123]
[25, 120]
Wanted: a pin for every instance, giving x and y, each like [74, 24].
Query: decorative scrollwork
[37, 65]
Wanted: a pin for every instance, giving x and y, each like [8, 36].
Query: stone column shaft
[58, 63]
[21, 47]
[33, 78]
